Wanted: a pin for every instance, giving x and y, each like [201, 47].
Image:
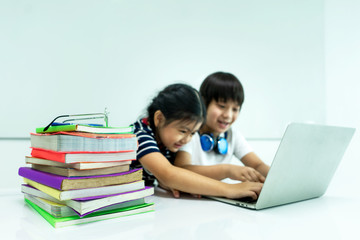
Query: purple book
[67, 183]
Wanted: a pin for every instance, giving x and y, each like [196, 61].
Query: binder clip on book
[80, 117]
[72, 123]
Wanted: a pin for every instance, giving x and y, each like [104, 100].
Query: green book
[93, 217]
[86, 128]
[58, 209]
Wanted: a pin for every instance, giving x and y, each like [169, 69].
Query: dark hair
[177, 102]
[222, 86]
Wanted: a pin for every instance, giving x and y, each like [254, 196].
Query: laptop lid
[304, 164]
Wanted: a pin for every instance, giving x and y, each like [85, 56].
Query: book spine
[43, 191]
[49, 155]
[47, 179]
[69, 127]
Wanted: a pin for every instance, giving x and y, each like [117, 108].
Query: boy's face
[220, 115]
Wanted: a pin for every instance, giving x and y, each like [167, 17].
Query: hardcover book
[67, 183]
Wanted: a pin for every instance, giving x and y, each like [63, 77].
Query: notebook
[303, 166]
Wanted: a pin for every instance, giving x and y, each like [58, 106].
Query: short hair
[177, 102]
[222, 86]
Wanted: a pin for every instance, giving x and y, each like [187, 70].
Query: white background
[41, 43]
[24, 61]
[68, 57]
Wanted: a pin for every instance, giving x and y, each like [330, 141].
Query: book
[59, 210]
[90, 204]
[71, 172]
[73, 157]
[68, 183]
[78, 141]
[27, 189]
[96, 216]
[78, 193]
[85, 128]
[78, 165]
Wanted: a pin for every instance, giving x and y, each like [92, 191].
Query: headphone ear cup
[207, 142]
[222, 146]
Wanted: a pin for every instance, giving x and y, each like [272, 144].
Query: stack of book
[77, 177]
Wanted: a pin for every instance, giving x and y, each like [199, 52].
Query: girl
[173, 117]
[212, 149]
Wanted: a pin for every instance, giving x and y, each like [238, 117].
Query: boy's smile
[220, 116]
[224, 124]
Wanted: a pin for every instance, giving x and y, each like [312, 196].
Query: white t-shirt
[237, 147]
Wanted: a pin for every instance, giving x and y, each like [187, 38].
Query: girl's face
[220, 115]
[177, 133]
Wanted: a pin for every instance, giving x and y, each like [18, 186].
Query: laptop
[303, 166]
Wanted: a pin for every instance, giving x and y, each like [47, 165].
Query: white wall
[12, 157]
[342, 58]
[66, 57]
[342, 52]
[342, 48]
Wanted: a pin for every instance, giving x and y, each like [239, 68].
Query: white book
[86, 205]
[61, 210]
[79, 165]
[39, 189]
[83, 142]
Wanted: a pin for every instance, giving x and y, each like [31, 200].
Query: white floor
[333, 216]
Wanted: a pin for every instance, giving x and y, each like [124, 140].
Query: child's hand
[175, 192]
[245, 189]
[246, 174]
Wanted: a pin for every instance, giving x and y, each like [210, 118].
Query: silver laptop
[304, 164]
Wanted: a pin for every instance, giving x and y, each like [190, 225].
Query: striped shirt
[147, 144]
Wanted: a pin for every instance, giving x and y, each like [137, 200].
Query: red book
[74, 157]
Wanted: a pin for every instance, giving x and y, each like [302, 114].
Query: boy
[212, 148]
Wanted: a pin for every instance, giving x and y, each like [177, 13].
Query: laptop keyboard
[247, 200]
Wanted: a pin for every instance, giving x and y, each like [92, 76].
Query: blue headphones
[219, 145]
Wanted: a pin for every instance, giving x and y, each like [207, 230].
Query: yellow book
[48, 190]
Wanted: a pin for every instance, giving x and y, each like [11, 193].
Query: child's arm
[219, 171]
[253, 161]
[183, 180]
